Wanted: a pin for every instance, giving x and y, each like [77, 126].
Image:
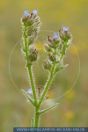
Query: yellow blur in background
[73, 108]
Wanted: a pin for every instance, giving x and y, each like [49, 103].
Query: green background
[73, 108]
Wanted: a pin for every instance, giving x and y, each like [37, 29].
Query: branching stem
[47, 85]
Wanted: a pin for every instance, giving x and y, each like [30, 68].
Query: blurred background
[70, 87]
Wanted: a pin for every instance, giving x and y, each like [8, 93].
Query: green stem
[32, 82]
[47, 85]
[37, 108]
[30, 74]
[35, 122]
[36, 117]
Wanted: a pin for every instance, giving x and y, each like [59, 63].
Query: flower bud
[47, 48]
[26, 13]
[50, 39]
[65, 34]
[56, 36]
[47, 65]
[25, 17]
[30, 22]
[34, 12]
[52, 57]
[54, 40]
[32, 54]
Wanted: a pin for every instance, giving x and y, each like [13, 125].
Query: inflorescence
[56, 48]
[30, 23]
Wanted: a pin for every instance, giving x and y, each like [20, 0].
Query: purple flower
[56, 36]
[64, 33]
[26, 13]
[65, 29]
[35, 12]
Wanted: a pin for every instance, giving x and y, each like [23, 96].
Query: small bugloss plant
[55, 47]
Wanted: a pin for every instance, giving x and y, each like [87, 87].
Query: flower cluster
[30, 23]
[56, 48]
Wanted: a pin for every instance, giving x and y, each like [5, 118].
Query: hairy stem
[47, 85]
[36, 117]
[29, 69]
[32, 82]
[46, 88]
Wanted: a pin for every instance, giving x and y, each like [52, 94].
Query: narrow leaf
[46, 110]
[28, 97]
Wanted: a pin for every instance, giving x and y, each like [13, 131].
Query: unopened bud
[52, 57]
[26, 13]
[49, 39]
[30, 22]
[54, 40]
[56, 36]
[65, 34]
[47, 65]
[35, 12]
[25, 16]
[32, 54]
[47, 48]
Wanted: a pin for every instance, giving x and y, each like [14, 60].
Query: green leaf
[60, 67]
[47, 109]
[28, 97]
